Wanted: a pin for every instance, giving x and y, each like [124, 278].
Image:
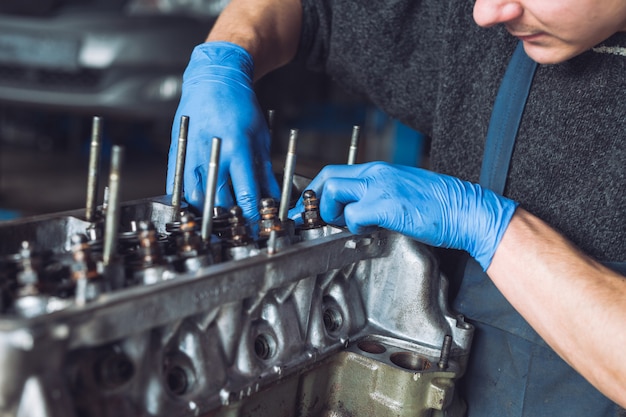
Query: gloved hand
[435, 209]
[220, 102]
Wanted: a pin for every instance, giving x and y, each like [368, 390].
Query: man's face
[554, 30]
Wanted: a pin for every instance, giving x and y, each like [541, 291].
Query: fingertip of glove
[250, 213]
[295, 214]
[195, 199]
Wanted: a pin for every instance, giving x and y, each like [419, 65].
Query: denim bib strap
[511, 371]
[505, 120]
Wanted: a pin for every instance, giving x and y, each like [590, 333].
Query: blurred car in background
[118, 57]
[64, 61]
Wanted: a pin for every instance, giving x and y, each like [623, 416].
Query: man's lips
[530, 37]
[526, 35]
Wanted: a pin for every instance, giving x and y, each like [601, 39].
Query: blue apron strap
[505, 120]
[506, 116]
[511, 371]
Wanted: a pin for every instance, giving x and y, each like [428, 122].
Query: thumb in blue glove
[219, 99]
[435, 209]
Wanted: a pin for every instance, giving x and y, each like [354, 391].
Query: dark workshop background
[64, 61]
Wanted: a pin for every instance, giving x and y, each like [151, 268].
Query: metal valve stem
[180, 166]
[290, 163]
[354, 145]
[113, 209]
[211, 188]
[93, 174]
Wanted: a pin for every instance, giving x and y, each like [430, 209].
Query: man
[546, 245]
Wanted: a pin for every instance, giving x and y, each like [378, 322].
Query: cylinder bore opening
[264, 346]
[177, 380]
[410, 361]
[370, 346]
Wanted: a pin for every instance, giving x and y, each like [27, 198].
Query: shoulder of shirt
[612, 50]
[613, 45]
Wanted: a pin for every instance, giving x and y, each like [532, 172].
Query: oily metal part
[133, 310]
[218, 336]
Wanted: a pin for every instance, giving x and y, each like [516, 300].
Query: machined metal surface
[211, 187]
[354, 145]
[181, 152]
[134, 309]
[356, 322]
[290, 165]
[94, 169]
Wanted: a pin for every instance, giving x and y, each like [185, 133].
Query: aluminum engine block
[133, 310]
[330, 324]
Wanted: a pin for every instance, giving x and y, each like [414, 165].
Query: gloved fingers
[335, 171]
[245, 186]
[363, 208]
[251, 174]
[362, 217]
[194, 187]
[336, 195]
[219, 99]
[224, 192]
[263, 164]
[267, 179]
[318, 183]
[195, 194]
[235, 166]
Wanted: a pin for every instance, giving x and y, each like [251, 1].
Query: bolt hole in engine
[177, 380]
[371, 347]
[332, 320]
[264, 346]
[331, 315]
[179, 374]
[410, 361]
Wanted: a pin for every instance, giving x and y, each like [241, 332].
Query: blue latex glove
[219, 99]
[435, 209]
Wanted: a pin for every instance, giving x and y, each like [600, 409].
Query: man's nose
[491, 12]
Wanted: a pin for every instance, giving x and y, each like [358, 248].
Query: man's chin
[548, 55]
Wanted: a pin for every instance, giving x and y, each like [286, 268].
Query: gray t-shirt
[429, 65]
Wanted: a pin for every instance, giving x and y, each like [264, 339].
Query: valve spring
[149, 247]
[239, 235]
[84, 265]
[269, 218]
[311, 215]
[189, 241]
